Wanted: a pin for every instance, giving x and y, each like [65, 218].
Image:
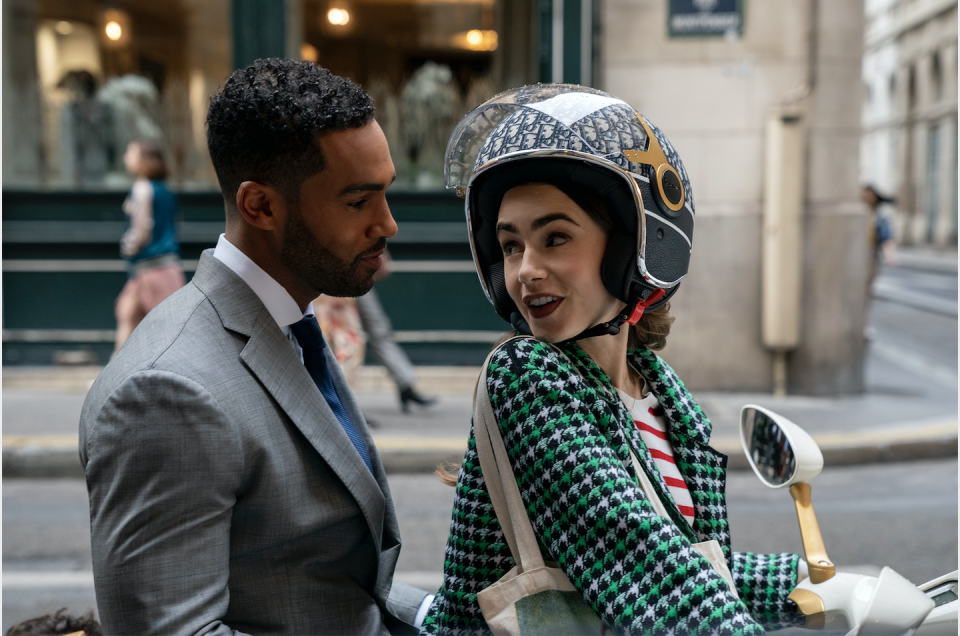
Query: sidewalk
[914, 417]
[927, 259]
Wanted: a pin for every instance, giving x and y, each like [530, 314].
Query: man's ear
[261, 206]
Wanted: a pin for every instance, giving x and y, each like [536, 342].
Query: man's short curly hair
[266, 123]
[61, 622]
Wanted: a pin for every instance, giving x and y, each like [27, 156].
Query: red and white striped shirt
[648, 417]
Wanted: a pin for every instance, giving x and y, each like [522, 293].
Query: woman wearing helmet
[581, 221]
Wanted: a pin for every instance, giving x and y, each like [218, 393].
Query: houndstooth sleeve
[636, 569]
[764, 581]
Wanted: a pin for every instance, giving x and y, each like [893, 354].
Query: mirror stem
[821, 568]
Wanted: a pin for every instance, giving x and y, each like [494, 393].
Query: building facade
[792, 59]
[714, 74]
[909, 146]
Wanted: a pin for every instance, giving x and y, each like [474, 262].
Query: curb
[52, 457]
[439, 380]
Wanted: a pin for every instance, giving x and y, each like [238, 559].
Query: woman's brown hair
[151, 158]
[651, 330]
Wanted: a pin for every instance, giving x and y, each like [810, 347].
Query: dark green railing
[62, 272]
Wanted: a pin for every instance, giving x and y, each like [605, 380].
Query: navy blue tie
[310, 338]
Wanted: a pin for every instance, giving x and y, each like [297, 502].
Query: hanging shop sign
[699, 18]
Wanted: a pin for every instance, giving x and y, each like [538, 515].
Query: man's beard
[317, 266]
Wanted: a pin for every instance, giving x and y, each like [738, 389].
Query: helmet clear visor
[567, 103]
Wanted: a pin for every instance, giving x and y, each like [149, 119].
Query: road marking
[34, 580]
[41, 441]
[896, 293]
[424, 579]
[458, 444]
[912, 361]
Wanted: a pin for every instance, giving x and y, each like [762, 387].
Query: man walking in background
[379, 333]
[234, 485]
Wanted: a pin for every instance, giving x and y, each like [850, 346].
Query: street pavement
[899, 514]
[903, 515]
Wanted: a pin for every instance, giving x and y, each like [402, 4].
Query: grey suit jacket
[224, 494]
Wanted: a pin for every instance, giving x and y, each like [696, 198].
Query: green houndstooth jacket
[568, 434]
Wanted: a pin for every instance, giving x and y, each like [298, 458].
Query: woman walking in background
[150, 243]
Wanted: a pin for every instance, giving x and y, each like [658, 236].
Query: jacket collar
[703, 468]
[269, 356]
[678, 405]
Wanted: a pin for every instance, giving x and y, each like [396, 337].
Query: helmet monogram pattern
[568, 436]
[606, 133]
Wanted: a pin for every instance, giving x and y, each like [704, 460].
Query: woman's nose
[531, 267]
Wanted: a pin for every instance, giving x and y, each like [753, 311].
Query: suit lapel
[702, 467]
[269, 356]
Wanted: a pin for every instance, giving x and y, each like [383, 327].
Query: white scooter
[783, 455]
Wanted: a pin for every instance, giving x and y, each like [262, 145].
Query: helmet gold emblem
[669, 185]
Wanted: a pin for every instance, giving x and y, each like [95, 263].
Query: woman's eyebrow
[550, 218]
[543, 221]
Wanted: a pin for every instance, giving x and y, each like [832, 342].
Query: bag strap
[710, 550]
[647, 487]
[500, 480]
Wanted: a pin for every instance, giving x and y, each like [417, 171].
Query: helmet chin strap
[630, 315]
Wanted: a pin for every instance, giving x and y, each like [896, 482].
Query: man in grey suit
[234, 486]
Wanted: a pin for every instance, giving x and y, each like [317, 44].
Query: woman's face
[552, 252]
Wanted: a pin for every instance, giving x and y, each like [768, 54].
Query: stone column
[22, 138]
[837, 255]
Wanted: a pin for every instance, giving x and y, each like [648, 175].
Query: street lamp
[114, 31]
[338, 16]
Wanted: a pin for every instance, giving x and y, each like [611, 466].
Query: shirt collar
[278, 301]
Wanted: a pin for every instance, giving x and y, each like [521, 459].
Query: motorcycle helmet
[562, 133]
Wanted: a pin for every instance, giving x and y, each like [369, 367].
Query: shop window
[936, 77]
[426, 63]
[911, 89]
[85, 78]
[933, 177]
[892, 95]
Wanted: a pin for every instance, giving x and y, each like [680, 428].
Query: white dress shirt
[285, 311]
[274, 297]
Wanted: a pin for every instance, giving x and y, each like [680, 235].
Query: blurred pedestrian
[880, 232]
[150, 243]
[60, 623]
[379, 333]
[339, 321]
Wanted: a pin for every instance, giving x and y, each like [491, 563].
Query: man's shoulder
[182, 336]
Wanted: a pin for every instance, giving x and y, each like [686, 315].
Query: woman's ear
[262, 206]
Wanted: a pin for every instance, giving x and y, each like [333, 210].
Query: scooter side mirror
[780, 452]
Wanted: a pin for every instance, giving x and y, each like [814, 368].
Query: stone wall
[712, 97]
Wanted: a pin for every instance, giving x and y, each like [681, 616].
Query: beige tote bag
[535, 598]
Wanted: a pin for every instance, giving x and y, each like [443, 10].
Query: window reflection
[86, 78]
[426, 63]
[81, 78]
